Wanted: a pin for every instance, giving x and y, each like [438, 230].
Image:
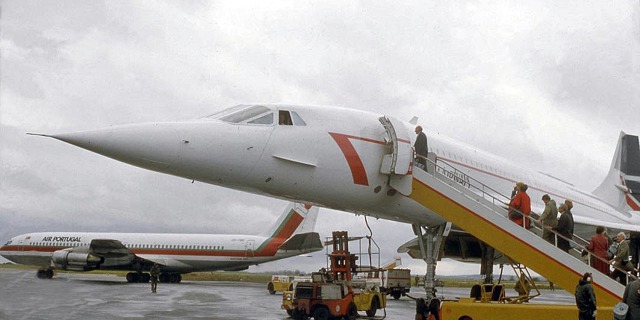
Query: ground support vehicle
[331, 293]
[471, 309]
[366, 297]
[397, 282]
[280, 283]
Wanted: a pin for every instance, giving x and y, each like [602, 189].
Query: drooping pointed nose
[153, 146]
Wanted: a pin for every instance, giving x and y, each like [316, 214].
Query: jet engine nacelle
[79, 261]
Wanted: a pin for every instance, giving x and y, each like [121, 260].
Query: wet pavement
[97, 296]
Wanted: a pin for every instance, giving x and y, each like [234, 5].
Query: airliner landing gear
[430, 245]
[45, 273]
[486, 264]
[170, 277]
[138, 277]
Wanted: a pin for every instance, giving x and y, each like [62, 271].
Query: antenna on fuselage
[414, 120]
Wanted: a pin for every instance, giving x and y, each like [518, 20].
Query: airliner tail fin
[621, 187]
[297, 218]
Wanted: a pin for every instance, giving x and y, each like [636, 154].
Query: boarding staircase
[482, 212]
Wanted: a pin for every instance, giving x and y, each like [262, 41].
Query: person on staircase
[620, 261]
[549, 219]
[598, 245]
[564, 228]
[520, 206]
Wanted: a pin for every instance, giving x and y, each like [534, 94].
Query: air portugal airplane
[348, 160]
[176, 254]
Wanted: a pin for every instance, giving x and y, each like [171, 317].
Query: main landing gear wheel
[135, 277]
[170, 278]
[45, 273]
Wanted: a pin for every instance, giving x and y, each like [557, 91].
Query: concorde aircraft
[349, 160]
[291, 235]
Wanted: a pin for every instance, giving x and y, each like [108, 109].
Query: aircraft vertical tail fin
[621, 187]
[296, 218]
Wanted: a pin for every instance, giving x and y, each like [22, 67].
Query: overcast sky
[548, 84]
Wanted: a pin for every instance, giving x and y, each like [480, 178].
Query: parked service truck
[397, 283]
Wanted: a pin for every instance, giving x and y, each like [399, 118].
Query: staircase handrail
[533, 222]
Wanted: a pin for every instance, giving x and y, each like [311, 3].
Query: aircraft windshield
[244, 114]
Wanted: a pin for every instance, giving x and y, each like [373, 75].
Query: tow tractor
[331, 292]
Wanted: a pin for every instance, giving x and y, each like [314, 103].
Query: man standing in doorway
[421, 148]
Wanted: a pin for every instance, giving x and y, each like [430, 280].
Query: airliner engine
[79, 261]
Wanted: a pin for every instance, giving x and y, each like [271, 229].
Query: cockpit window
[244, 114]
[8, 243]
[284, 118]
[297, 120]
[266, 119]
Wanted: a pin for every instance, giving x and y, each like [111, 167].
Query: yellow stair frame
[478, 216]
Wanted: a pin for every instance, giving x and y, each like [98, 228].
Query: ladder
[476, 209]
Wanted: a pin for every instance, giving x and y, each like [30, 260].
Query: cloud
[546, 84]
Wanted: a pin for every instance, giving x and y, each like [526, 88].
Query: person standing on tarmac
[421, 148]
[549, 219]
[586, 299]
[519, 205]
[154, 273]
[632, 298]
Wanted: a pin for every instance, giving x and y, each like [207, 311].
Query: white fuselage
[178, 252]
[333, 161]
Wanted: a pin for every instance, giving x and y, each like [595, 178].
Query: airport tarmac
[98, 296]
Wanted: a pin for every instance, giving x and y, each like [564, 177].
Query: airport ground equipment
[332, 293]
[475, 209]
[469, 309]
[280, 283]
[397, 283]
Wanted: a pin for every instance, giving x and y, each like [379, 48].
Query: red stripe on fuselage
[358, 171]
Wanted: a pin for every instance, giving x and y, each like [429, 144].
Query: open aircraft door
[399, 163]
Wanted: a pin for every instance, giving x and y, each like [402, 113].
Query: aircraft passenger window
[266, 119]
[297, 120]
[284, 118]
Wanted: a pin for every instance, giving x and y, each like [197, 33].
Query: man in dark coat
[632, 298]
[564, 228]
[585, 299]
[421, 147]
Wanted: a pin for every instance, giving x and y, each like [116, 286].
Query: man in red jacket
[519, 205]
